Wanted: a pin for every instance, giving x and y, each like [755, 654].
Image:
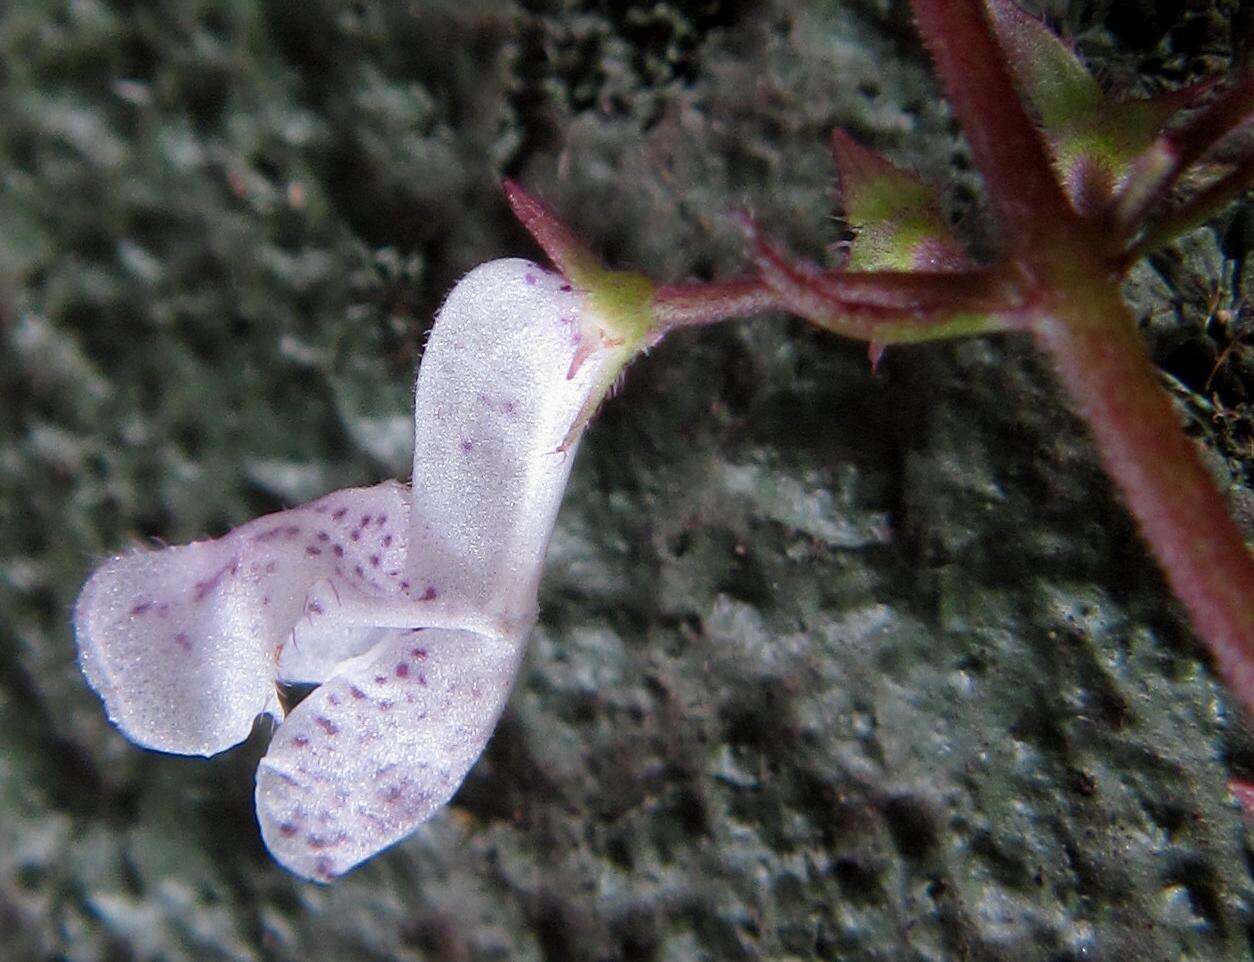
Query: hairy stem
[977, 289]
[800, 291]
[1007, 146]
[1100, 359]
[696, 303]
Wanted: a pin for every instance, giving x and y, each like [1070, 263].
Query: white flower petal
[496, 396]
[380, 746]
[410, 607]
[183, 643]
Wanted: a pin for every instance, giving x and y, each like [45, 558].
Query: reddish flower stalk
[1007, 146]
[687, 305]
[1101, 361]
[1078, 183]
[1055, 263]
[805, 292]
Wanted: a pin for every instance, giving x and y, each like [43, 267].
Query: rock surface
[830, 665]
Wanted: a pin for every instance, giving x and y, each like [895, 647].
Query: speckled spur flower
[408, 606]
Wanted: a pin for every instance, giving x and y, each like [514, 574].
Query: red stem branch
[800, 290]
[977, 289]
[696, 303]
[1101, 361]
[1008, 149]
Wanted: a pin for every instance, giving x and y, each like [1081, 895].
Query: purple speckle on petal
[328, 726]
[203, 588]
[323, 841]
[402, 670]
[141, 607]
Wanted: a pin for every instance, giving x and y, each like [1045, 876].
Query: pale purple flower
[408, 606]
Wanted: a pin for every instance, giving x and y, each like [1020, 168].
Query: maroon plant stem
[978, 289]
[696, 303]
[800, 292]
[966, 289]
[1007, 146]
[1100, 359]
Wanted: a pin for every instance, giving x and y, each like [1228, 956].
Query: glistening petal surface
[380, 746]
[185, 644]
[511, 362]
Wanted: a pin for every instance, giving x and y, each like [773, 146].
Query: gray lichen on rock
[830, 665]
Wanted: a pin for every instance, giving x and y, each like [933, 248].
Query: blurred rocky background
[830, 665]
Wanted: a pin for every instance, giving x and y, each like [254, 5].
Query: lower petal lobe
[380, 746]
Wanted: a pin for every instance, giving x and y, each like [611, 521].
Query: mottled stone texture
[830, 665]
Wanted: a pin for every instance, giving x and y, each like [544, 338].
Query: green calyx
[617, 317]
[619, 304]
